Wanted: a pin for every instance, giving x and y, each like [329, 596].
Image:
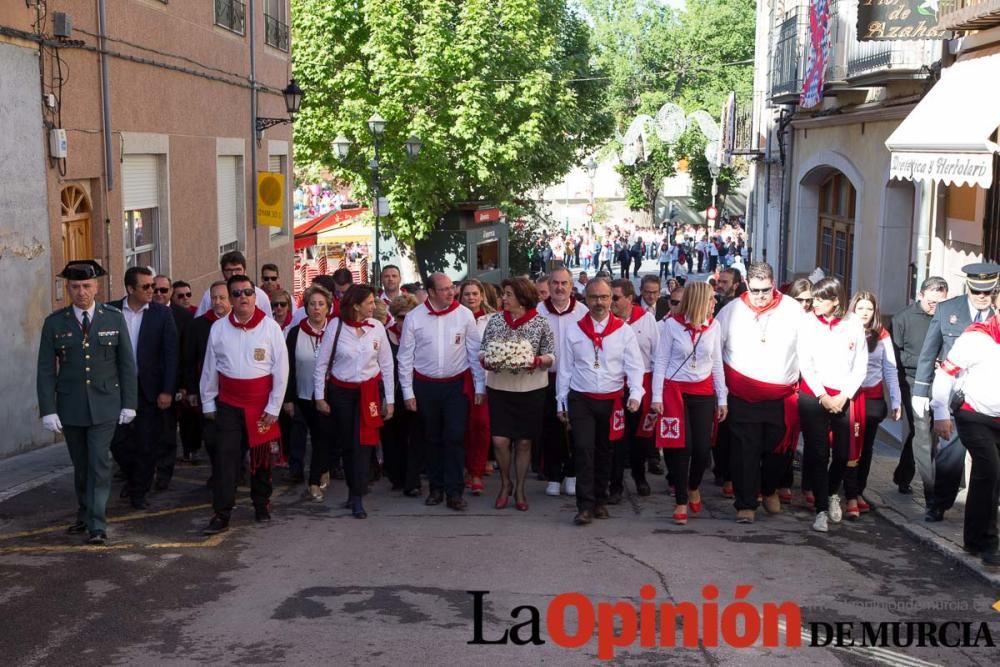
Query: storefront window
[140, 235]
[487, 256]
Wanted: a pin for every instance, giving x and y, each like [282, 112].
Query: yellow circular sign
[270, 191]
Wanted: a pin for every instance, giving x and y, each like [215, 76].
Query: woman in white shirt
[689, 393]
[353, 361]
[833, 360]
[477, 426]
[869, 403]
[303, 341]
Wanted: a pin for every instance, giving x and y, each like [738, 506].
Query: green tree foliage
[492, 87]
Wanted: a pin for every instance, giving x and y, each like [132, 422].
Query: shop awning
[355, 231]
[947, 136]
[306, 233]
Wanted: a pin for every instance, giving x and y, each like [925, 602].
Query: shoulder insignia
[111, 308]
[953, 319]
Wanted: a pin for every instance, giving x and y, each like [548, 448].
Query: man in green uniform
[86, 386]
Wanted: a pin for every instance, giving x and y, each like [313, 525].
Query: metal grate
[275, 33]
[231, 15]
[785, 75]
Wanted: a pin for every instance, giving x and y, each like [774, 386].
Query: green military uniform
[87, 380]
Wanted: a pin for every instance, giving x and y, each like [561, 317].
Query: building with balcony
[139, 156]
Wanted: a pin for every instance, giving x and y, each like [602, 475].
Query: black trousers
[208, 435]
[688, 464]
[403, 448]
[981, 436]
[906, 468]
[321, 436]
[166, 450]
[294, 430]
[443, 409]
[624, 265]
[755, 430]
[606, 263]
[557, 441]
[633, 449]
[190, 423]
[856, 477]
[590, 420]
[722, 453]
[344, 408]
[135, 448]
[827, 443]
[231, 442]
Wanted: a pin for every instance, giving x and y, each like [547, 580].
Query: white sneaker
[569, 486]
[552, 489]
[820, 525]
[836, 513]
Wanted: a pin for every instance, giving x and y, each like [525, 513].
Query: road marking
[34, 483]
[136, 516]
[207, 543]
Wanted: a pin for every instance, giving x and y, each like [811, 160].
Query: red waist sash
[251, 396]
[969, 408]
[647, 421]
[755, 391]
[465, 376]
[369, 407]
[672, 433]
[858, 416]
[616, 424]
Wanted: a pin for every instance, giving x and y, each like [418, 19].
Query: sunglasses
[980, 292]
[268, 279]
[182, 295]
[617, 298]
[279, 304]
[161, 290]
[675, 302]
[146, 287]
[246, 291]
[761, 291]
[806, 300]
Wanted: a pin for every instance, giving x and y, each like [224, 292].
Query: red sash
[647, 421]
[369, 407]
[755, 391]
[969, 408]
[251, 396]
[671, 432]
[616, 424]
[858, 413]
[468, 389]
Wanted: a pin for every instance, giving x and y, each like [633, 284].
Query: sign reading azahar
[958, 168]
[898, 19]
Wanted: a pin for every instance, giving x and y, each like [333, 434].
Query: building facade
[129, 139]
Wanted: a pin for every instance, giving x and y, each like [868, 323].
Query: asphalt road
[317, 585]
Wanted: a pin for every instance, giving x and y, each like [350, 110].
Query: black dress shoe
[218, 524]
[296, 478]
[261, 515]
[124, 493]
[98, 538]
[434, 498]
[642, 488]
[412, 493]
[457, 503]
[78, 528]
[338, 473]
[933, 516]
[905, 489]
[139, 503]
[583, 517]
[655, 466]
[161, 484]
[614, 498]
[601, 512]
[991, 559]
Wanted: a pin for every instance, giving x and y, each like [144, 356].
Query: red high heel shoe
[504, 498]
[476, 487]
[680, 518]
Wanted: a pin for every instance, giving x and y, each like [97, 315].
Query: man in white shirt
[242, 387]
[439, 374]
[759, 335]
[595, 357]
[391, 281]
[233, 263]
[562, 311]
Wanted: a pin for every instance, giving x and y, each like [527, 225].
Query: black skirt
[516, 415]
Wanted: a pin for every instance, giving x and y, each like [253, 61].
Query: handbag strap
[336, 340]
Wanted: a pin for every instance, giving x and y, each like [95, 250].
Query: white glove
[126, 416]
[52, 423]
[920, 404]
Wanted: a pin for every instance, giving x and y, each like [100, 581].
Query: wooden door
[75, 224]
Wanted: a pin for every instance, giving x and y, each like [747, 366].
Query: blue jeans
[442, 409]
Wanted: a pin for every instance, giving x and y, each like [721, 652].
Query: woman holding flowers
[518, 348]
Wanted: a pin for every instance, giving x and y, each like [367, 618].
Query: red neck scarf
[831, 323]
[439, 313]
[258, 316]
[552, 309]
[586, 324]
[288, 319]
[194, 309]
[691, 329]
[210, 315]
[745, 298]
[479, 313]
[397, 329]
[307, 329]
[990, 327]
[637, 312]
[514, 324]
[358, 325]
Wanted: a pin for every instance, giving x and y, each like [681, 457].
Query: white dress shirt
[133, 322]
[263, 302]
[559, 323]
[646, 334]
[359, 358]
[619, 357]
[678, 358]
[882, 368]
[975, 361]
[832, 355]
[90, 313]
[763, 347]
[245, 354]
[439, 346]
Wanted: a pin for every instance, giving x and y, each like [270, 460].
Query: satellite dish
[706, 124]
[670, 123]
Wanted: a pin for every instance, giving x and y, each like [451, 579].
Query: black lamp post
[293, 101]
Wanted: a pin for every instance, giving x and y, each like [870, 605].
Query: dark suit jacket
[662, 307]
[195, 344]
[951, 318]
[182, 318]
[157, 352]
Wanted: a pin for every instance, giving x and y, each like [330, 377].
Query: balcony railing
[231, 15]
[875, 62]
[968, 14]
[786, 70]
[275, 33]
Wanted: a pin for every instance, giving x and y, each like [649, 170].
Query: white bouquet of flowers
[509, 355]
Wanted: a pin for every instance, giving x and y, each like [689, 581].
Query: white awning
[946, 137]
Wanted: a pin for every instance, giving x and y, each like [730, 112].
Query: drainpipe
[109, 169]
[786, 193]
[251, 27]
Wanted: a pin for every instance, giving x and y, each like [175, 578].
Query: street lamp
[591, 167]
[293, 102]
[342, 147]
[713, 169]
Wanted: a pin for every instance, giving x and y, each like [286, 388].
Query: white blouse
[359, 358]
[832, 355]
[682, 358]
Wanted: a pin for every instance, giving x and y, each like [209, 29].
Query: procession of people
[574, 381]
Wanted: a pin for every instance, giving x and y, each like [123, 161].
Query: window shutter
[227, 206]
[274, 163]
[140, 182]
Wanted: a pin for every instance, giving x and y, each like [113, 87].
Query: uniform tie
[85, 324]
[981, 315]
